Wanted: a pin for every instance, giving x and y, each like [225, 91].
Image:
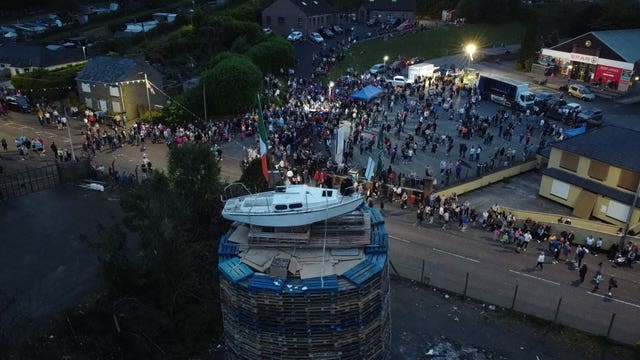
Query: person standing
[540, 261]
[598, 247]
[583, 272]
[54, 149]
[445, 218]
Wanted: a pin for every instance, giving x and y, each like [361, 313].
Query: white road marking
[397, 238]
[456, 255]
[535, 277]
[612, 299]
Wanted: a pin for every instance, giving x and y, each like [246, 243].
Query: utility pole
[73, 154]
[146, 83]
[204, 99]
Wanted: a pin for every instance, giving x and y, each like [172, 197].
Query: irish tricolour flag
[263, 141]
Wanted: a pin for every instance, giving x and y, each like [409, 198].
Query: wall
[290, 13]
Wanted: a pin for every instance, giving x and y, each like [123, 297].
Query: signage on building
[607, 74]
[583, 58]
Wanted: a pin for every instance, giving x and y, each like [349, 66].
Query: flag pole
[262, 131]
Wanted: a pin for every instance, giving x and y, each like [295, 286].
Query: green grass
[441, 41]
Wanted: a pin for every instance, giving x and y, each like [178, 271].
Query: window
[86, 87]
[569, 161]
[618, 210]
[103, 105]
[295, 206]
[281, 20]
[88, 102]
[117, 108]
[327, 193]
[560, 189]
[598, 170]
[628, 180]
[300, 22]
[281, 207]
[114, 91]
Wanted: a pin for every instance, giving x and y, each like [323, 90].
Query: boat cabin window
[281, 207]
[281, 189]
[295, 206]
[327, 193]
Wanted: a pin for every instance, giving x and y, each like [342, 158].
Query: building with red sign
[610, 58]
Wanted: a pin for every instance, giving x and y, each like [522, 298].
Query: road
[495, 271]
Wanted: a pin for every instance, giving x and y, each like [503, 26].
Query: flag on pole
[263, 141]
[150, 88]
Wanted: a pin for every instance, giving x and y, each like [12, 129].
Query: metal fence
[615, 320]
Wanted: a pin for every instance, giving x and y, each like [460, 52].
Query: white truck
[424, 70]
[506, 92]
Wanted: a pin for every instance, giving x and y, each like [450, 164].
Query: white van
[581, 92]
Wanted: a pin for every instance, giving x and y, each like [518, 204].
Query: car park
[581, 92]
[592, 117]
[377, 68]
[316, 38]
[562, 113]
[295, 36]
[415, 60]
[337, 29]
[17, 103]
[398, 81]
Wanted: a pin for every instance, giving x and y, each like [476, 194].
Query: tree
[171, 276]
[252, 177]
[232, 85]
[272, 55]
[617, 14]
[529, 44]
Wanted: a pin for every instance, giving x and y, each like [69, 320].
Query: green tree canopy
[231, 85]
[272, 55]
[488, 11]
[617, 14]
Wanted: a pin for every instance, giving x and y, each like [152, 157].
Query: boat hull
[295, 218]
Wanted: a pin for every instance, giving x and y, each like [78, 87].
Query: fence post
[466, 283]
[394, 268]
[555, 318]
[422, 273]
[613, 317]
[515, 294]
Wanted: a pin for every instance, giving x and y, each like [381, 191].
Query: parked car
[592, 116]
[337, 29]
[563, 112]
[398, 64]
[316, 38]
[373, 21]
[415, 60]
[17, 103]
[267, 30]
[581, 92]
[327, 33]
[398, 81]
[377, 68]
[406, 26]
[295, 36]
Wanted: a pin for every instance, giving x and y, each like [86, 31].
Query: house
[117, 85]
[16, 58]
[284, 16]
[610, 57]
[595, 176]
[387, 9]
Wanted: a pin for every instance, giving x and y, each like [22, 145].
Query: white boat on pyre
[292, 205]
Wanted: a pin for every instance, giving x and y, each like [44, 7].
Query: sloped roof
[314, 7]
[22, 55]
[110, 69]
[599, 144]
[624, 42]
[390, 5]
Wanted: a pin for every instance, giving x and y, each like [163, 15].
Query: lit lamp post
[569, 68]
[331, 85]
[386, 58]
[470, 49]
[84, 52]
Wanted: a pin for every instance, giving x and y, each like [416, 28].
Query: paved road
[495, 271]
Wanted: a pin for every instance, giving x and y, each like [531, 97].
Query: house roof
[390, 5]
[590, 185]
[110, 69]
[314, 7]
[609, 144]
[23, 56]
[623, 42]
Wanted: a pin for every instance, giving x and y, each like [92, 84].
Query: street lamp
[84, 52]
[331, 85]
[470, 49]
[386, 58]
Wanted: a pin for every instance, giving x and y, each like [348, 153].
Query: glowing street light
[331, 85]
[386, 58]
[470, 49]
